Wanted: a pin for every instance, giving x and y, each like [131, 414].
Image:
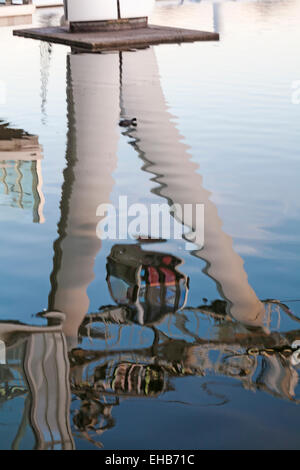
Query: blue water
[218, 124]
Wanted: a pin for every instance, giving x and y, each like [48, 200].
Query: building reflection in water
[148, 288]
[21, 171]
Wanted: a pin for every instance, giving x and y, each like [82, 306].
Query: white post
[101, 10]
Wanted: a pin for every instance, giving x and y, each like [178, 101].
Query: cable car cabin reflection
[147, 282]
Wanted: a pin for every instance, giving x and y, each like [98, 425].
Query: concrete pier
[109, 40]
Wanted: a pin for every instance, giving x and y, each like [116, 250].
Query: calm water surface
[123, 344]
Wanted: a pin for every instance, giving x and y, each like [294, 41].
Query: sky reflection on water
[206, 341]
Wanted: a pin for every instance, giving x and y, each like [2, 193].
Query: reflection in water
[91, 159]
[147, 282]
[151, 334]
[180, 183]
[20, 165]
[48, 19]
[35, 365]
[45, 58]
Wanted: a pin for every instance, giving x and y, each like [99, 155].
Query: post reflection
[180, 183]
[93, 111]
[151, 335]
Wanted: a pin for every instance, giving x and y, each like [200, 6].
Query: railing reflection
[35, 365]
